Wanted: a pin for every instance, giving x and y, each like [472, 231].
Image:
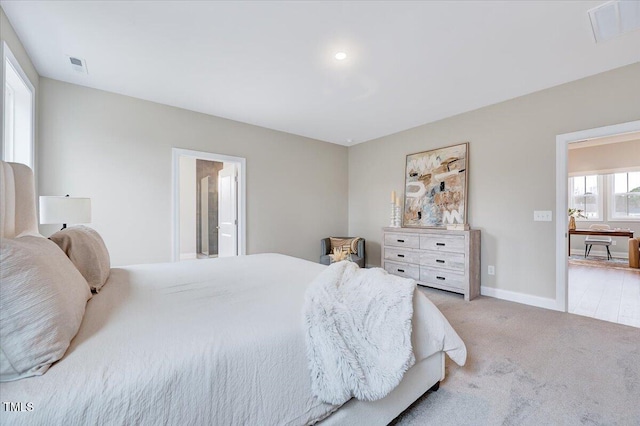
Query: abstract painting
[435, 192]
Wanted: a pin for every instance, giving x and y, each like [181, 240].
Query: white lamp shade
[54, 209]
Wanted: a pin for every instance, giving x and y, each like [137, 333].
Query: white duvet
[200, 342]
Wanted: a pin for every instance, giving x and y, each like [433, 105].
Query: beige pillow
[86, 249]
[349, 245]
[41, 308]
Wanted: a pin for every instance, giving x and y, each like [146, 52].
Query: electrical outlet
[542, 216]
[613, 243]
[491, 270]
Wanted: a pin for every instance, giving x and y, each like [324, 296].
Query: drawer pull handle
[400, 270]
[439, 260]
[440, 244]
[401, 255]
[441, 278]
[401, 241]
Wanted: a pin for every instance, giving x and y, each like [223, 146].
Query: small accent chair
[596, 240]
[325, 251]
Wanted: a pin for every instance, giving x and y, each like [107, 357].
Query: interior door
[227, 211]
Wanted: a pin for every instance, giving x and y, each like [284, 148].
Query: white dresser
[448, 260]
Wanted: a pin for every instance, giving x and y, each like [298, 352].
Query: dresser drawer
[441, 277]
[441, 259]
[448, 260]
[453, 243]
[402, 269]
[402, 240]
[401, 255]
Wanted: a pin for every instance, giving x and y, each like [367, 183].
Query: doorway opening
[597, 174]
[208, 205]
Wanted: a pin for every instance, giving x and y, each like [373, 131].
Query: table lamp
[58, 209]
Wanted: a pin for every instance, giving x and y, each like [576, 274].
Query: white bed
[217, 341]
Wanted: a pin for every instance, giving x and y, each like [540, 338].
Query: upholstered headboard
[17, 201]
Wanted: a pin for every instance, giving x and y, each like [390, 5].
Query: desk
[605, 232]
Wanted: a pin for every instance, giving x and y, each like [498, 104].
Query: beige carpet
[532, 366]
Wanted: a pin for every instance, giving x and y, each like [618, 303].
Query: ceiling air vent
[78, 64]
[614, 18]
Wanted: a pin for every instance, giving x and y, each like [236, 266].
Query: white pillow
[41, 308]
[86, 249]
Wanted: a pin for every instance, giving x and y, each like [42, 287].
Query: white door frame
[240, 162]
[562, 221]
[7, 55]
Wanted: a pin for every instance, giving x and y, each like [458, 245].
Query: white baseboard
[526, 299]
[188, 256]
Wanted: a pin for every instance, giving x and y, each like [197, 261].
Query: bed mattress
[217, 341]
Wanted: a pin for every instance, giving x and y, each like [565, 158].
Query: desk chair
[592, 240]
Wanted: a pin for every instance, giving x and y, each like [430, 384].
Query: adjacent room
[604, 207]
[320, 213]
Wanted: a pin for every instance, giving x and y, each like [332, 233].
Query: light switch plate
[542, 216]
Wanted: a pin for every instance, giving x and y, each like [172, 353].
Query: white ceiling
[271, 63]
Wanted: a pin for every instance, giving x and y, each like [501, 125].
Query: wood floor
[606, 294]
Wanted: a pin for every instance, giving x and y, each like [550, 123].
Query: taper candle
[393, 196]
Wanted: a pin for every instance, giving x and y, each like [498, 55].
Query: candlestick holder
[397, 216]
[393, 218]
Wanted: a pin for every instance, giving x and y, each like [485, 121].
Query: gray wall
[511, 172]
[117, 150]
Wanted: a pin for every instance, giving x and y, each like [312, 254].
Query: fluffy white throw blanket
[358, 332]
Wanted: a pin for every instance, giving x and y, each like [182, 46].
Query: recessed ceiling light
[340, 56]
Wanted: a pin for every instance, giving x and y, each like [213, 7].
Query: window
[19, 95]
[585, 193]
[624, 199]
